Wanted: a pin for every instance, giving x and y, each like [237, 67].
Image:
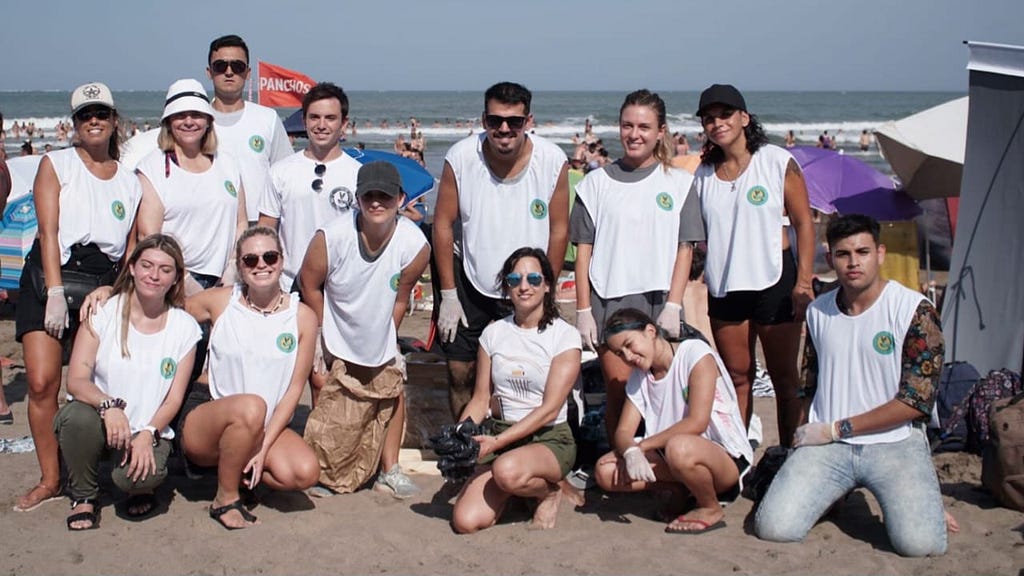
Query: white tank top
[93, 211]
[359, 296]
[300, 210]
[144, 378]
[200, 210]
[744, 227]
[520, 363]
[499, 216]
[255, 137]
[636, 230]
[254, 354]
[860, 358]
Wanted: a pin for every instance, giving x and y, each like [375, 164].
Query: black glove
[457, 450]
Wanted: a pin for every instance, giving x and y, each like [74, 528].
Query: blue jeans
[900, 475]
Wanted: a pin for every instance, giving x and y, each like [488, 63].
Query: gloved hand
[637, 465]
[319, 365]
[55, 319]
[400, 361]
[814, 434]
[587, 326]
[669, 319]
[450, 315]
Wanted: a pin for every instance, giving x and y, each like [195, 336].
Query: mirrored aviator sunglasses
[514, 279]
[253, 260]
[221, 66]
[318, 182]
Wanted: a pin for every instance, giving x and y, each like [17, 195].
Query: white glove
[814, 434]
[587, 326]
[450, 315]
[400, 361]
[55, 319]
[319, 365]
[637, 465]
[669, 318]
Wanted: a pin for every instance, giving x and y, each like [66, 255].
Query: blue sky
[545, 44]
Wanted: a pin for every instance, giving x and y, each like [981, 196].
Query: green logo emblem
[883, 343]
[168, 367]
[757, 195]
[538, 209]
[117, 208]
[257, 143]
[665, 201]
[394, 281]
[286, 342]
[230, 187]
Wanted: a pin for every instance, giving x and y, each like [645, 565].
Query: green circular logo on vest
[117, 209]
[538, 209]
[665, 201]
[168, 367]
[884, 343]
[757, 195]
[286, 342]
[257, 143]
[394, 281]
[230, 187]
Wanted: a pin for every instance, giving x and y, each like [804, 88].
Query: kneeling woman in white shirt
[694, 434]
[128, 374]
[526, 366]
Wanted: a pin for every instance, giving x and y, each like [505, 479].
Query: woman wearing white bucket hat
[190, 190]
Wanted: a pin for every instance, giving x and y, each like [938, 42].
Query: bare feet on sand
[575, 497]
[547, 511]
[952, 526]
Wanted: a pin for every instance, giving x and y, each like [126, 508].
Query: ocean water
[446, 117]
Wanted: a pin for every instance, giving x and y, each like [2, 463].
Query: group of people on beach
[226, 271]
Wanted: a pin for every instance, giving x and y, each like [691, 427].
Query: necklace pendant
[733, 186]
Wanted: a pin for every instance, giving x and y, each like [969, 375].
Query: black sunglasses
[725, 114]
[221, 66]
[318, 183]
[514, 279]
[270, 257]
[97, 112]
[494, 122]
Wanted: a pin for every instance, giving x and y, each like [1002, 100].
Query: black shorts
[31, 309]
[198, 394]
[480, 311]
[773, 305]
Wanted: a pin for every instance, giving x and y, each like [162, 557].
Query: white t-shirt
[520, 362]
[860, 358]
[360, 294]
[500, 216]
[299, 209]
[200, 210]
[636, 230]
[744, 226]
[92, 210]
[145, 377]
[663, 403]
[254, 354]
[255, 136]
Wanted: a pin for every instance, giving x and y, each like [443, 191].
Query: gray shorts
[650, 303]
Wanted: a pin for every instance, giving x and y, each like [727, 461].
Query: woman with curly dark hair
[526, 366]
[752, 193]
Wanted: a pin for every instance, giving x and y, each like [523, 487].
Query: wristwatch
[845, 429]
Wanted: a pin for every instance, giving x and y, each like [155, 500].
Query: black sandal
[92, 516]
[216, 514]
[145, 501]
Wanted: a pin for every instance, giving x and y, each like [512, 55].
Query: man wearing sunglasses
[508, 189]
[253, 134]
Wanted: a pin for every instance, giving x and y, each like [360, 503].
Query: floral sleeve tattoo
[808, 371]
[923, 352]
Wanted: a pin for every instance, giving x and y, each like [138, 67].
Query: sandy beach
[369, 532]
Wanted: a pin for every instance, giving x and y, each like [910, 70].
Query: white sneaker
[397, 483]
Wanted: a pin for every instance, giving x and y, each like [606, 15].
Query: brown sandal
[26, 505]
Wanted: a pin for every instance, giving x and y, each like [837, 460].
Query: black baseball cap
[381, 176]
[723, 94]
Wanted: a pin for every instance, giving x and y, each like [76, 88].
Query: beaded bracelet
[111, 403]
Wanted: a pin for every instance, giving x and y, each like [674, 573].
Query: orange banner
[281, 87]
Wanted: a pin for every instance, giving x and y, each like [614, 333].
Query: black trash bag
[758, 480]
[456, 449]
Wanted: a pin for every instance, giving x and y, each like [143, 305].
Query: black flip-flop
[705, 527]
[147, 501]
[217, 513]
[7, 418]
[92, 517]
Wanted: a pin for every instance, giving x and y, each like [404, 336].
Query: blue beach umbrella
[416, 181]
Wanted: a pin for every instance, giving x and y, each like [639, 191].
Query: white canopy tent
[983, 312]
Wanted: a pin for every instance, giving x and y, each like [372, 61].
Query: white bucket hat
[186, 95]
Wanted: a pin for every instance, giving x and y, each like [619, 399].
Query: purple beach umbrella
[840, 183]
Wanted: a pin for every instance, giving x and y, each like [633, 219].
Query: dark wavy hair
[850, 225]
[509, 93]
[712, 153]
[625, 319]
[325, 91]
[550, 309]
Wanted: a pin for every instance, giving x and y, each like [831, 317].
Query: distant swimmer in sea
[790, 139]
[865, 140]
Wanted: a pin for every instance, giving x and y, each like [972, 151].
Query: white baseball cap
[89, 94]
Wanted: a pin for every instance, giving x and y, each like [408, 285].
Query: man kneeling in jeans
[871, 369]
